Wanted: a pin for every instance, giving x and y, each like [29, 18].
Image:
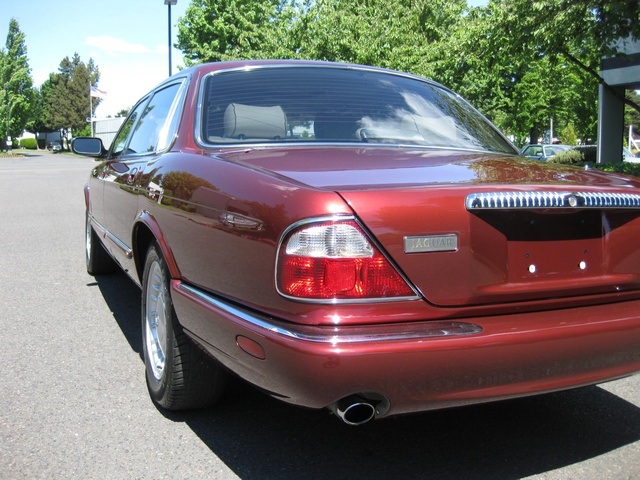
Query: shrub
[590, 152]
[623, 167]
[29, 143]
[569, 157]
[582, 157]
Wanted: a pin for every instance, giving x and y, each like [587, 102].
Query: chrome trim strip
[337, 335]
[527, 200]
[96, 224]
[116, 241]
[122, 246]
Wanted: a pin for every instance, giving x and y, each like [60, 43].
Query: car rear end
[431, 295]
[416, 262]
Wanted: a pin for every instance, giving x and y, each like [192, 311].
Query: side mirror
[89, 146]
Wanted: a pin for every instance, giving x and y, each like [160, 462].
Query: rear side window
[300, 104]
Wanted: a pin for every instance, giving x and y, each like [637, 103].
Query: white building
[106, 129]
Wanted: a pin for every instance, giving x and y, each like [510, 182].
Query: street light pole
[168, 3]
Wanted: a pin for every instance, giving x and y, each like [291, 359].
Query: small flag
[97, 93]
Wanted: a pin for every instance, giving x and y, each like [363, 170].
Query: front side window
[321, 104]
[149, 127]
[148, 131]
[120, 142]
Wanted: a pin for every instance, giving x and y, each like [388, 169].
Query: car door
[146, 134]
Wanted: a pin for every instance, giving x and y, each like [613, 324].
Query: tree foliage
[523, 63]
[579, 32]
[582, 30]
[398, 34]
[504, 60]
[214, 30]
[66, 95]
[16, 92]
[395, 34]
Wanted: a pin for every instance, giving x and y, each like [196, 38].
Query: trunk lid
[475, 229]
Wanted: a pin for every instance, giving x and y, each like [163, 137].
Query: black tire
[180, 375]
[99, 262]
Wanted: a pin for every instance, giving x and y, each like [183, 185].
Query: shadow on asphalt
[258, 437]
[123, 299]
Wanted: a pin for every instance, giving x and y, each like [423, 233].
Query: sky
[127, 40]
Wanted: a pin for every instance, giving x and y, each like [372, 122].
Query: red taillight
[334, 260]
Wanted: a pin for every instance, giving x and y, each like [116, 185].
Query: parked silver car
[543, 152]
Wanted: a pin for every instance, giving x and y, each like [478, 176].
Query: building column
[610, 124]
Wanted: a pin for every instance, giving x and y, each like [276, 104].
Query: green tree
[36, 123]
[551, 92]
[508, 62]
[66, 95]
[568, 135]
[464, 61]
[390, 33]
[399, 34]
[580, 32]
[520, 62]
[213, 30]
[16, 83]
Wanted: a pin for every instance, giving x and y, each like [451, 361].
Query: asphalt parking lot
[73, 401]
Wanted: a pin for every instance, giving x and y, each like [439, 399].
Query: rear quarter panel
[200, 194]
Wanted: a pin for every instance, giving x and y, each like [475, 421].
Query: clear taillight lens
[334, 260]
[333, 240]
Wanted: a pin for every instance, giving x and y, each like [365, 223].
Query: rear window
[322, 104]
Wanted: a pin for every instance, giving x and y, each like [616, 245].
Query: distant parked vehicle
[54, 147]
[543, 152]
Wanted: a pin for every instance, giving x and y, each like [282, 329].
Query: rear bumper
[421, 366]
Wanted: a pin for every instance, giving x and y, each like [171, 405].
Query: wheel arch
[147, 231]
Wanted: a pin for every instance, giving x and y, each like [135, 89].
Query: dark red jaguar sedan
[359, 239]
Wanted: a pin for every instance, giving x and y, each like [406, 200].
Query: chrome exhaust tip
[357, 409]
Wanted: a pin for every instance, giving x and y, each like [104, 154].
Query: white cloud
[127, 70]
